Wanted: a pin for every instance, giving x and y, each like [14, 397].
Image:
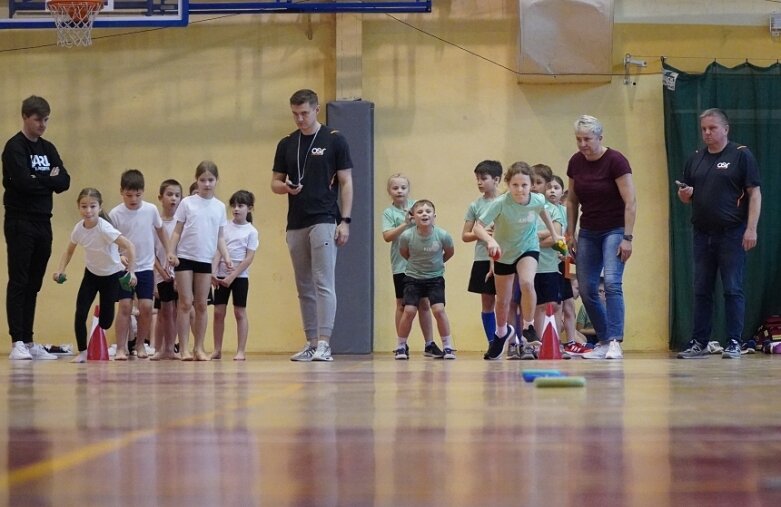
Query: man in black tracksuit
[32, 172]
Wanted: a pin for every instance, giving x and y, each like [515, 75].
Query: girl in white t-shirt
[197, 236]
[101, 242]
[241, 237]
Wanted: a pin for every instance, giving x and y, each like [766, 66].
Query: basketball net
[73, 20]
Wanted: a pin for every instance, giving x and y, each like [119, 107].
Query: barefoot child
[241, 239]
[165, 331]
[140, 223]
[101, 242]
[426, 248]
[197, 236]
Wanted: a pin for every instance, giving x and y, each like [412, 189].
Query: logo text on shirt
[40, 163]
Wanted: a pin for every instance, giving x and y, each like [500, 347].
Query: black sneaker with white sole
[433, 350]
[496, 347]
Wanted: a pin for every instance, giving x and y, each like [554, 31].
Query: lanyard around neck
[301, 168]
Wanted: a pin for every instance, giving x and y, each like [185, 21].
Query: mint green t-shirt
[563, 211]
[549, 258]
[393, 217]
[515, 225]
[426, 253]
[473, 215]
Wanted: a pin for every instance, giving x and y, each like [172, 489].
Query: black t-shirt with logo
[719, 180]
[314, 159]
[27, 180]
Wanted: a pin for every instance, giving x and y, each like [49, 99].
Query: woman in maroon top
[602, 193]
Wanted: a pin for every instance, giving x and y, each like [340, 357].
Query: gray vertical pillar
[354, 324]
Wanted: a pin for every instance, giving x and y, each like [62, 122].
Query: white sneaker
[19, 352]
[112, 350]
[38, 352]
[599, 352]
[323, 352]
[305, 355]
[614, 350]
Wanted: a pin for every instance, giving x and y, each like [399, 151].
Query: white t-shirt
[239, 239]
[160, 252]
[202, 221]
[101, 254]
[139, 226]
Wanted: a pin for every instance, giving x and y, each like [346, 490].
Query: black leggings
[91, 284]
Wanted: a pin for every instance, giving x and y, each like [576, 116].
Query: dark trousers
[719, 253]
[91, 285]
[29, 246]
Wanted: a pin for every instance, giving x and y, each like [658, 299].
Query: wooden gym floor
[371, 431]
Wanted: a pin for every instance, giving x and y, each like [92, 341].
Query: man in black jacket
[32, 172]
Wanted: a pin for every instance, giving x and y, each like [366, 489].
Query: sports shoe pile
[22, 351]
[66, 349]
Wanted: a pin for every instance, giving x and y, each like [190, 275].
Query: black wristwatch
[628, 237]
[347, 220]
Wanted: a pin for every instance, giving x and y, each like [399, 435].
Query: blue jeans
[720, 252]
[597, 251]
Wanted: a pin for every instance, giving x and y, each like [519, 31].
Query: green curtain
[751, 97]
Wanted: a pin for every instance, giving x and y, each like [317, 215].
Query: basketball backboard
[131, 13]
[115, 13]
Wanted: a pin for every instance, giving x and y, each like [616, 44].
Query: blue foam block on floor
[530, 375]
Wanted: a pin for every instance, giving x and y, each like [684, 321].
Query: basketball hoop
[73, 20]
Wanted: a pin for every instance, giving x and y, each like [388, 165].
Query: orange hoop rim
[63, 3]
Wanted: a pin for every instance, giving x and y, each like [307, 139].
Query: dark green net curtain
[751, 97]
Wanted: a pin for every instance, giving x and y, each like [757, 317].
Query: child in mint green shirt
[426, 248]
[515, 248]
[395, 220]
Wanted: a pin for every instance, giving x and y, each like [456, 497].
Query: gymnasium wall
[163, 100]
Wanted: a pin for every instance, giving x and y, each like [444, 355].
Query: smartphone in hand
[681, 184]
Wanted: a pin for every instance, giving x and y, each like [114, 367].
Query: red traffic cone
[97, 349]
[550, 337]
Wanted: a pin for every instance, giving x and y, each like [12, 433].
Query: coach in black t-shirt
[32, 172]
[312, 166]
[722, 184]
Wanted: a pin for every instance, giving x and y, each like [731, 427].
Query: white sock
[527, 324]
[501, 331]
[447, 342]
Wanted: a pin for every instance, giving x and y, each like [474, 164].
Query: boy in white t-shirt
[166, 296]
[140, 222]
